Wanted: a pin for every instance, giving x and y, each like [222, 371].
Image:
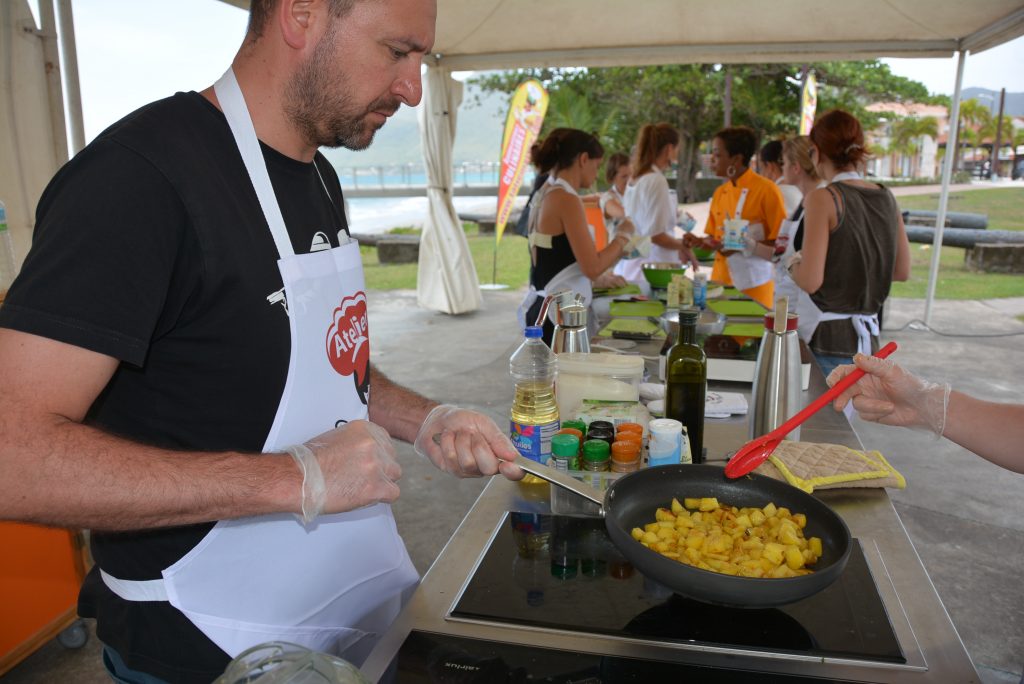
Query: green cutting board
[636, 309]
[617, 291]
[638, 326]
[743, 329]
[738, 308]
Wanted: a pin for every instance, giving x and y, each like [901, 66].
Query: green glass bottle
[686, 382]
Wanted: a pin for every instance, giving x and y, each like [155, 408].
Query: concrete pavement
[965, 515]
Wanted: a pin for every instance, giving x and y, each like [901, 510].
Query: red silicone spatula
[756, 451]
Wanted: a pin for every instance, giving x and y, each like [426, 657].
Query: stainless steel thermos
[776, 392]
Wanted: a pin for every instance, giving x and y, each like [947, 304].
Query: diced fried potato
[708, 504]
[749, 542]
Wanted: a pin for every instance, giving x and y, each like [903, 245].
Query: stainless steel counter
[932, 647]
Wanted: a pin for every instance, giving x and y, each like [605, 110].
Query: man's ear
[296, 19]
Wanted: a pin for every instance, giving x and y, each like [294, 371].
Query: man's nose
[409, 85]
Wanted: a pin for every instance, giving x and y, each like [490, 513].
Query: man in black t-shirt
[191, 300]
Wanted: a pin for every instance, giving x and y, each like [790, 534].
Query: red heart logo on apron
[348, 338]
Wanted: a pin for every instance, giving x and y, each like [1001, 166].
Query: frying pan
[631, 502]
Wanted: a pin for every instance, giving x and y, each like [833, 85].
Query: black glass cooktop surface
[564, 573]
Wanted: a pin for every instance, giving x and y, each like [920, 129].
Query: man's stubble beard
[319, 103]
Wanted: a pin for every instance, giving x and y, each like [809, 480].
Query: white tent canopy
[503, 34]
[500, 34]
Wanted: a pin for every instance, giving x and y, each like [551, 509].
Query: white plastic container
[607, 377]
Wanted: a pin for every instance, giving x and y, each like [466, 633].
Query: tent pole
[73, 91]
[947, 174]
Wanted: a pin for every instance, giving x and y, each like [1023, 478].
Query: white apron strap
[865, 325]
[232, 102]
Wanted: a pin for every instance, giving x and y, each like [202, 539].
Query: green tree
[973, 117]
[617, 101]
[907, 137]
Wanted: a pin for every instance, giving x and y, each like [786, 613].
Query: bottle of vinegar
[686, 382]
[534, 412]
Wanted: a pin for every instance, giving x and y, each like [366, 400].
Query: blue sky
[131, 52]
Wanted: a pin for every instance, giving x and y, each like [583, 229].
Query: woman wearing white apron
[651, 205]
[562, 252]
[854, 244]
[799, 172]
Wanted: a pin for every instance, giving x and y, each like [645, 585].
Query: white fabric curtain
[447, 279]
[33, 144]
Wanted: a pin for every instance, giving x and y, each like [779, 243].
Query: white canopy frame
[500, 34]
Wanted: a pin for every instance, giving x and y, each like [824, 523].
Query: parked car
[1018, 168]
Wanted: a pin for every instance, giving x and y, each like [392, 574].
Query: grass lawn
[1005, 209]
[513, 262]
[1004, 206]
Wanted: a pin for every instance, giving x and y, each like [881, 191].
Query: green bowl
[659, 273]
[703, 254]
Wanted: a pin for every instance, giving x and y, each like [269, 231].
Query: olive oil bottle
[686, 381]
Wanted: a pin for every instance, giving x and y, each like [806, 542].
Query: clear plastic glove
[346, 468]
[890, 395]
[466, 444]
[625, 227]
[792, 260]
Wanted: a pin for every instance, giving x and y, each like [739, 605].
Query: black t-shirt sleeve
[109, 232]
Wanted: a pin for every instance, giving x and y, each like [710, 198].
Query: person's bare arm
[819, 218]
[56, 471]
[397, 409]
[458, 441]
[901, 270]
[993, 431]
[566, 209]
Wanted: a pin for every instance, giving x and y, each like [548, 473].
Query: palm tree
[973, 115]
[907, 134]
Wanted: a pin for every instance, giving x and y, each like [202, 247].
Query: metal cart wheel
[74, 636]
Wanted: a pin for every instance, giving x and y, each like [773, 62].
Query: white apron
[746, 271]
[337, 584]
[800, 303]
[569, 278]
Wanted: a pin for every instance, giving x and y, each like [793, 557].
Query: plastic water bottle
[7, 264]
[700, 290]
[534, 412]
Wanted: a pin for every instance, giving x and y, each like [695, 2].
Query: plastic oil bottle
[534, 412]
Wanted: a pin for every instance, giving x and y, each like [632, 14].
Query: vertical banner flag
[522, 126]
[808, 104]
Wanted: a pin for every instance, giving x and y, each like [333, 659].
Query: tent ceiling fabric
[499, 34]
[508, 34]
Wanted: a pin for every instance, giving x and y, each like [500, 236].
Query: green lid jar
[597, 454]
[576, 424]
[564, 449]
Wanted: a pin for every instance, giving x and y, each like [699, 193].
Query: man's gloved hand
[890, 395]
[466, 444]
[346, 468]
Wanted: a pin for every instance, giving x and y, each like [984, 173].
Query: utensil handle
[559, 479]
[827, 397]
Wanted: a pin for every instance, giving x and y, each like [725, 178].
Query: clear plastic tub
[608, 377]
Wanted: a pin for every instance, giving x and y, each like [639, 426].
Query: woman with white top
[649, 202]
[799, 173]
[769, 165]
[854, 244]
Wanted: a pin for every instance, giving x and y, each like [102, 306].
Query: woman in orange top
[746, 196]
